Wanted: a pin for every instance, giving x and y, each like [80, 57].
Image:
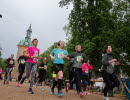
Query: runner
[79, 58]
[53, 76]
[107, 72]
[31, 64]
[10, 64]
[42, 73]
[21, 61]
[85, 75]
[1, 72]
[58, 55]
[71, 74]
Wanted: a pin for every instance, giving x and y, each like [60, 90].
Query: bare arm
[52, 57]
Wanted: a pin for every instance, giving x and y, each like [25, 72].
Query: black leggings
[78, 75]
[85, 78]
[21, 71]
[110, 80]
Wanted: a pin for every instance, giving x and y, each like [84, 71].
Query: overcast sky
[46, 17]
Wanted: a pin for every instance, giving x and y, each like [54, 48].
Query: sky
[45, 16]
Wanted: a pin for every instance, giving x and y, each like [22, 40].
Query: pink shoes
[82, 94]
[18, 84]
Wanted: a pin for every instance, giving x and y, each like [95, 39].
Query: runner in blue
[58, 56]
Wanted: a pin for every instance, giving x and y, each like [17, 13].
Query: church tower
[27, 41]
[22, 46]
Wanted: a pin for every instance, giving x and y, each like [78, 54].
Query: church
[22, 46]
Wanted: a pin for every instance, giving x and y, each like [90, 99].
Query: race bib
[22, 61]
[79, 58]
[45, 67]
[60, 55]
[11, 62]
[36, 53]
[35, 60]
[86, 71]
[113, 64]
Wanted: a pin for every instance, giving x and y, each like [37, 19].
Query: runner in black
[21, 68]
[10, 64]
[42, 73]
[79, 58]
[108, 72]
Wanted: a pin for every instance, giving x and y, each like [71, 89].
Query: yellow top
[53, 75]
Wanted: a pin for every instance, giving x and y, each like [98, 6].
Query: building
[22, 46]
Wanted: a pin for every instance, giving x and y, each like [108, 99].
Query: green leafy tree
[97, 23]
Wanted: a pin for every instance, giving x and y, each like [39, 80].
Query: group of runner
[80, 67]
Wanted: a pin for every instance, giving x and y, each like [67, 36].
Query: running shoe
[42, 88]
[17, 84]
[21, 82]
[52, 91]
[4, 82]
[60, 94]
[7, 82]
[105, 98]
[82, 94]
[30, 91]
[68, 86]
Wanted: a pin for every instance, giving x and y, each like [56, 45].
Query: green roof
[25, 42]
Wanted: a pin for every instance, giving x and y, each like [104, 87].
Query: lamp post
[0, 16]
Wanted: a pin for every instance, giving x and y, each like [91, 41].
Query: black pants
[21, 71]
[78, 75]
[110, 80]
[85, 78]
[71, 77]
[42, 75]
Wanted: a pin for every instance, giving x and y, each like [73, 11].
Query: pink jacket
[85, 67]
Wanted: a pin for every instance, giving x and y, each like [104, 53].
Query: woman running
[85, 75]
[21, 61]
[10, 64]
[1, 72]
[31, 64]
[58, 55]
[79, 58]
[42, 73]
[107, 72]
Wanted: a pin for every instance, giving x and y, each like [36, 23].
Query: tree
[97, 23]
[46, 54]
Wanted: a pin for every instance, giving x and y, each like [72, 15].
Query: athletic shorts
[21, 68]
[58, 67]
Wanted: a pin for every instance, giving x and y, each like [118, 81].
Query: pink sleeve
[90, 67]
[83, 68]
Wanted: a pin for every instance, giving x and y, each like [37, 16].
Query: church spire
[29, 31]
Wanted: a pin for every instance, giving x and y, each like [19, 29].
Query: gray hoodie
[77, 62]
[108, 67]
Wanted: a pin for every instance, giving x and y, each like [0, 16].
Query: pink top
[86, 67]
[1, 71]
[33, 52]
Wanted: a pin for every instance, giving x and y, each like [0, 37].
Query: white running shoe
[105, 98]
